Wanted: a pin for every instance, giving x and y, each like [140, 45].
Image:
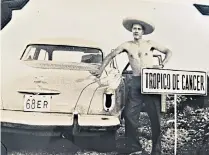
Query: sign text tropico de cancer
[158, 81]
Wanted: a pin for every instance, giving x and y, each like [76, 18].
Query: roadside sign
[167, 81]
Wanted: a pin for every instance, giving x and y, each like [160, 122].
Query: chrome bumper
[53, 124]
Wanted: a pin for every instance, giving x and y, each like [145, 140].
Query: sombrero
[129, 21]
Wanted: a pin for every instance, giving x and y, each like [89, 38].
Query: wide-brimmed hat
[129, 21]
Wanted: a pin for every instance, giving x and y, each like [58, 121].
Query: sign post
[175, 124]
[175, 82]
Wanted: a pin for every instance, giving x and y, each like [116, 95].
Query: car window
[63, 54]
[76, 56]
[29, 53]
[43, 55]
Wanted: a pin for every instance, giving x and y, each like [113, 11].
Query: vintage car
[56, 90]
[55, 93]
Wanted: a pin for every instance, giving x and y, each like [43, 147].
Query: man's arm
[108, 58]
[111, 55]
[162, 49]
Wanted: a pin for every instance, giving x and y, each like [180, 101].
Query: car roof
[67, 42]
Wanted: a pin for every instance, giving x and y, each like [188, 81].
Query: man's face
[137, 31]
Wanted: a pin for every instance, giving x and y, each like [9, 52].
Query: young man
[140, 54]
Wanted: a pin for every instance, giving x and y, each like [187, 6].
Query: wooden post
[163, 103]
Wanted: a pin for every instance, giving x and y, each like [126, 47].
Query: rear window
[62, 54]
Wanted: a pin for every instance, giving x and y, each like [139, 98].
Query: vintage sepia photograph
[95, 77]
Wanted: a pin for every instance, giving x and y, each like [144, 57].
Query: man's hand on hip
[158, 66]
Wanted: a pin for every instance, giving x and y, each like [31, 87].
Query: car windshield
[60, 53]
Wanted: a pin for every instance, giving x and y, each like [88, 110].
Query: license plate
[37, 103]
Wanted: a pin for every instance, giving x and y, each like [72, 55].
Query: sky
[178, 26]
